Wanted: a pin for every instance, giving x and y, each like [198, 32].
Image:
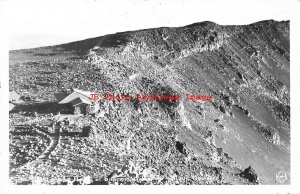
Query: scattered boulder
[250, 174]
[181, 147]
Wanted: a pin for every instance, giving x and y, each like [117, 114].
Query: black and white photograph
[149, 93]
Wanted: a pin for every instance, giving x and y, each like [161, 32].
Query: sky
[34, 23]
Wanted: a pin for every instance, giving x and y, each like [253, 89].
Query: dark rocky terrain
[247, 123]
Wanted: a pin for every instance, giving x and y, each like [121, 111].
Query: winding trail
[54, 142]
[54, 138]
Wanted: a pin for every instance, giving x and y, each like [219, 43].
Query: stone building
[76, 101]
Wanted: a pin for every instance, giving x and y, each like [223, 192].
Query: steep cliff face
[244, 68]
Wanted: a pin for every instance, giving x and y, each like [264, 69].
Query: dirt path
[54, 142]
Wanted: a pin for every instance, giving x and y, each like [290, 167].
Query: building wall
[78, 109]
[66, 109]
[82, 109]
[96, 107]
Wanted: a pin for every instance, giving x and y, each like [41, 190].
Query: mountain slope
[244, 68]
